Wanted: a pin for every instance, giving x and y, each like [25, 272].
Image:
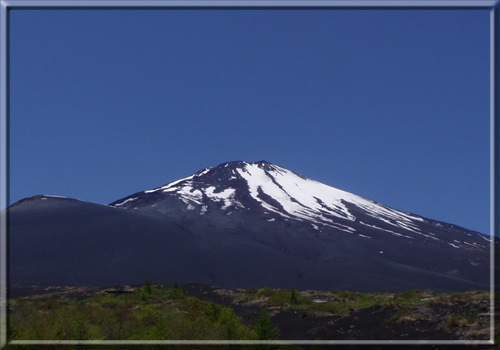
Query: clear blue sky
[391, 105]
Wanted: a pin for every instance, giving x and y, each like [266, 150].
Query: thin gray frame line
[494, 142]
[3, 173]
[250, 342]
[494, 154]
[259, 3]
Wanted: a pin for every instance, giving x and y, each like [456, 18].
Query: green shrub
[332, 308]
[265, 292]
[264, 329]
[147, 287]
[293, 296]
[279, 298]
[175, 293]
[410, 297]
[456, 321]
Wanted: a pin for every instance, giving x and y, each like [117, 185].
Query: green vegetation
[462, 319]
[317, 303]
[151, 312]
[264, 328]
[147, 287]
[327, 303]
[293, 296]
[159, 312]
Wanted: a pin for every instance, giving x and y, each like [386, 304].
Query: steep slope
[244, 225]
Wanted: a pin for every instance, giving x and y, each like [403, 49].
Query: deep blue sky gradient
[392, 105]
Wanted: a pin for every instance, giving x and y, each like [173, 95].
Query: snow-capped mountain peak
[277, 193]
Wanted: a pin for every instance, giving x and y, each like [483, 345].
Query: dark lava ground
[374, 323]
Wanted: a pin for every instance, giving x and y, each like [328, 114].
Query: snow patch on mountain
[126, 201]
[383, 229]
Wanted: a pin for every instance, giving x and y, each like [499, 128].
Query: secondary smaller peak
[36, 198]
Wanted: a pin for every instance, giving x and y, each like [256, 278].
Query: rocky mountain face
[243, 224]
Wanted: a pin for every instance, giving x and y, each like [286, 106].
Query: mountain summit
[263, 187]
[243, 224]
[279, 194]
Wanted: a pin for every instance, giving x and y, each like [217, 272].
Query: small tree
[264, 328]
[293, 296]
[147, 287]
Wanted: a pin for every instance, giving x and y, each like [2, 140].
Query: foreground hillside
[192, 312]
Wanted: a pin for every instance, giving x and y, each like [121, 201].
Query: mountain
[243, 224]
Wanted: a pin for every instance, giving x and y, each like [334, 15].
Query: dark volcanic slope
[242, 225]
